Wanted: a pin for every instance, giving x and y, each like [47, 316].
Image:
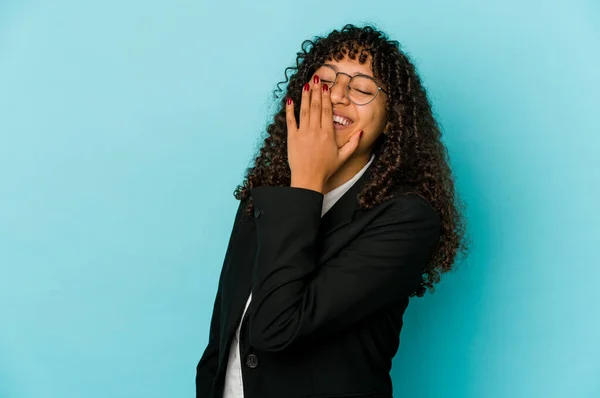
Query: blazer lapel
[340, 214]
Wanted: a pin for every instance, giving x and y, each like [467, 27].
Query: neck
[348, 170]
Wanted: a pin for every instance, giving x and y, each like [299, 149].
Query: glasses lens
[362, 90]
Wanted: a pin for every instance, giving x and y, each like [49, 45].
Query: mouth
[341, 122]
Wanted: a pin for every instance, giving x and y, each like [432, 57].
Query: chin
[342, 138]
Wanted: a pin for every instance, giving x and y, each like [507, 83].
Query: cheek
[372, 122]
[379, 119]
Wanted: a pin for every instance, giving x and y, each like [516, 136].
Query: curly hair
[409, 154]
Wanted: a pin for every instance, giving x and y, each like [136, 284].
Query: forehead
[351, 66]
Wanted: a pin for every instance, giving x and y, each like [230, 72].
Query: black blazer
[328, 294]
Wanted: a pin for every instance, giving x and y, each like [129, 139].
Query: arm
[207, 366]
[292, 300]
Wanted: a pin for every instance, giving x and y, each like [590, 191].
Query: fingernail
[306, 87]
[289, 101]
[316, 79]
[325, 88]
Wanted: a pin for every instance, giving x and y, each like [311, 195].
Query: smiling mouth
[340, 122]
[339, 126]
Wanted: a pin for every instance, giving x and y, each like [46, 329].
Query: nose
[339, 94]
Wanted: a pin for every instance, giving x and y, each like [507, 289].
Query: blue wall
[125, 127]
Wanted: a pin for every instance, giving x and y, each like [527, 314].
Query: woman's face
[371, 118]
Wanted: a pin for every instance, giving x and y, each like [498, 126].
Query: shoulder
[406, 214]
[409, 204]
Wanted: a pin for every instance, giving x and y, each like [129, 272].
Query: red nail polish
[325, 88]
[316, 79]
[289, 101]
[306, 87]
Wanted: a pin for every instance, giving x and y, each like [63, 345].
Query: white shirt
[234, 386]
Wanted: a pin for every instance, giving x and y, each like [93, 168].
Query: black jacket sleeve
[207, 366]
[292, 300]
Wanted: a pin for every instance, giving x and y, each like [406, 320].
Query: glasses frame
[349, 81]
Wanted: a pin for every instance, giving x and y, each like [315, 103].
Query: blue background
[126, 125]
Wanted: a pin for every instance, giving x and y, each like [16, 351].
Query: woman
[348, 211]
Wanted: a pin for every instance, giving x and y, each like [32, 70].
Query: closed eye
[362, 92]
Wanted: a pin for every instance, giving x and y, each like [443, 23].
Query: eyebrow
[336, 69]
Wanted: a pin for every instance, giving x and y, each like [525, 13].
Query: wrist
[311, 184]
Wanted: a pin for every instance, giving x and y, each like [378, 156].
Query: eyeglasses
[360, 90]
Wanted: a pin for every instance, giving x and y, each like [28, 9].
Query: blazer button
[257, 212]
[252, 361]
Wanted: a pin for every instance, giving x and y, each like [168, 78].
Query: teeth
[342, 120]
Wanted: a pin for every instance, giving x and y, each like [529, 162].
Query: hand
[313, 154]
